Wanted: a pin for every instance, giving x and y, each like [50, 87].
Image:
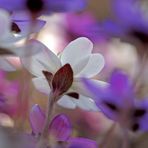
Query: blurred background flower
[118, 30]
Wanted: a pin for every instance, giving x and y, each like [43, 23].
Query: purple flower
[131, 21]
[88, 26]
[59, 129]
[118, 102]
[45, 6]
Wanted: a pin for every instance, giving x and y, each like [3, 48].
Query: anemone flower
[43, 6]
[13, 31]
[74, 62]
[117, 101]
[60, 130]
[131, 21]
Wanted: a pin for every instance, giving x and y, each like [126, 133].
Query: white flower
[83, 62]
[8, 39]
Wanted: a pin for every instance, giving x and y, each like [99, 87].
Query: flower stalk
[44, 139]
[52, 99]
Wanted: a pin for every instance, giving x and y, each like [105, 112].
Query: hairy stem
[43, 141]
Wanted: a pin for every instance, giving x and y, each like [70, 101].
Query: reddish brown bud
[48, 76]
[62, 79]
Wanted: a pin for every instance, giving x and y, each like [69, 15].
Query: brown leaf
[4, 51]
[48, 76]
[73, 95]
[15, 28]
[62, 79]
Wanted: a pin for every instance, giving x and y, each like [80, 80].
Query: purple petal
[101, 97]
[49, 5]
[118, 97]
[22, 15]
[88, 26]
[121, 85]
[81, 143]
[94, 88]
[12, 5]
[128, 11]
[112, 28]
[60, 127]
[37, 119]
[114, 98]
[120, 82]
[66, 5]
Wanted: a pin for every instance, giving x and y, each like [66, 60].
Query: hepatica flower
[43, 6]
[63, 73]
[60, 130]
[12, 31]
[118, 102]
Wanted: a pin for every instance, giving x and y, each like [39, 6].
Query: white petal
[76, 51]
[83, 102]
[5, 24]
[41, 85]
[86, 103]
[6, 65]
[77, 68]
[79, 87]
[93, 67]
[44, 60]
[10, 40]
[67, 102]
[32, 47]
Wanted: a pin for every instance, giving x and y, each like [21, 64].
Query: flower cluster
[79, 97]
